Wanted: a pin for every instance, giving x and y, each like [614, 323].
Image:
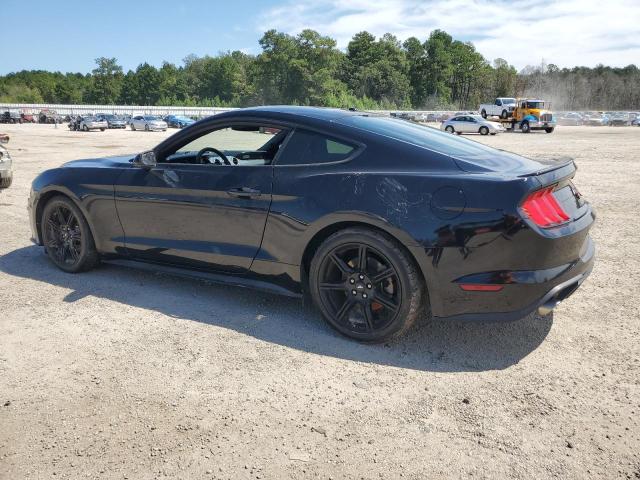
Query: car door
[206, 215]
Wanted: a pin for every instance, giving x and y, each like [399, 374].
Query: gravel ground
[118, 373]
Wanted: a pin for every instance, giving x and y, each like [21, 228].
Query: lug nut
[361, 277]
[364, 295]
[354, 292]
[369, 285]
[351, 280]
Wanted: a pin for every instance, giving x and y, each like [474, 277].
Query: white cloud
[564, 32]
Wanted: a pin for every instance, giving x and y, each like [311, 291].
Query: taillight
[543, 208]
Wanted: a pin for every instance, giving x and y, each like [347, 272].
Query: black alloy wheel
[365, 285]
[67, 237]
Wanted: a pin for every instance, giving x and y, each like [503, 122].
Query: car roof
[320, 113]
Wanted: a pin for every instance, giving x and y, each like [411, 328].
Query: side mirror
[145, 159]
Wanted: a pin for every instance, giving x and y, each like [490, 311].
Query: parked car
[570, 119]
[113, 121]
[594, 119]
[471, 124]
[148, 123]
[10, 116]
[501, 107]
[619, 119]
[86, 123]
[6, 165]
[431, 222]
[28, 118]
[49, 116]
[178, 121]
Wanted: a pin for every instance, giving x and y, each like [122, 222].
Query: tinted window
[421, 136]
[306, 147]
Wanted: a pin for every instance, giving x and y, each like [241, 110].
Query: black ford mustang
[377, 219]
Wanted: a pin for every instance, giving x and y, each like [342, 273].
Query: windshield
[535, 104]
[508, 100]
[419, 135]
[150, 118]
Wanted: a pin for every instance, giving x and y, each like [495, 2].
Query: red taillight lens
[543, 208]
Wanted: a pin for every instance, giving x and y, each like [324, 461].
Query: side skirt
[234, 280]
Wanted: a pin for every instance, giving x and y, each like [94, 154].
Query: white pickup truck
[502, 107]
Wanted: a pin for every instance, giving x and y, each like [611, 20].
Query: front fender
[93, 193]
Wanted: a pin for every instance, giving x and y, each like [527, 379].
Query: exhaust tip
[546, 308]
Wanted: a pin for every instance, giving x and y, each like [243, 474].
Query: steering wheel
[200, 160]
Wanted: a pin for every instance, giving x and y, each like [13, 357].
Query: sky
[68, 35]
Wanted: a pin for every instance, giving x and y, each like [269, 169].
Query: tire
[525, 127]
[483, 131]
[389, 296]
[504, 114]
[549, 130]
[146, 128]
[71, 249]
[483, 113]
[85, 128]
[449, 129]
[102, 129]
[133, 128]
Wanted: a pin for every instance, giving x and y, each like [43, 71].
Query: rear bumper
[525, 292]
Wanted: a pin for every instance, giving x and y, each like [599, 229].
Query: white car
[471, 124]
[501, 107]
[148, 123]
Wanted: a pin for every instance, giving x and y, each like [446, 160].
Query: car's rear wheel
[67, 237]
[504, 114]
[483, 113]
[85, 128]
[449, 129]
[365, 285]
[484, 131]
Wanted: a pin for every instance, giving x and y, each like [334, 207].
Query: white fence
[35, 108]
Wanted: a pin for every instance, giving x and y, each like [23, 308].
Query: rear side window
[306, 147]
[421, 136]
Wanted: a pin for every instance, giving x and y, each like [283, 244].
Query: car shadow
[433, 345]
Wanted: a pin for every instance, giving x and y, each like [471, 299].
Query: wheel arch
[46, 196]
[326, 231]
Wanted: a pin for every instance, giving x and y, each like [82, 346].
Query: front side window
[239, 145]
[306, 147]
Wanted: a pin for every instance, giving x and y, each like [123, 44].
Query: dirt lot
[118, 373]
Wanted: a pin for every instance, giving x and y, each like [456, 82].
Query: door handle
[244, 192]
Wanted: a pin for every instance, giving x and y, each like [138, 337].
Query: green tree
[107, 81]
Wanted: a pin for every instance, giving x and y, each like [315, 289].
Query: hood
[107, 162]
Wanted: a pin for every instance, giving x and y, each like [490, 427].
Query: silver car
[92, 123]
[148, 123]
[6, 172]
[471, 124]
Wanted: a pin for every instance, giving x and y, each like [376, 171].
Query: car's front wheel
[67, 237]
[449, 129]
[365, 285]
[484, 131]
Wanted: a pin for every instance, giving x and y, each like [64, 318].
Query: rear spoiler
[559, 170]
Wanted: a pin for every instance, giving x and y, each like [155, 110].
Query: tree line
[308, 69]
